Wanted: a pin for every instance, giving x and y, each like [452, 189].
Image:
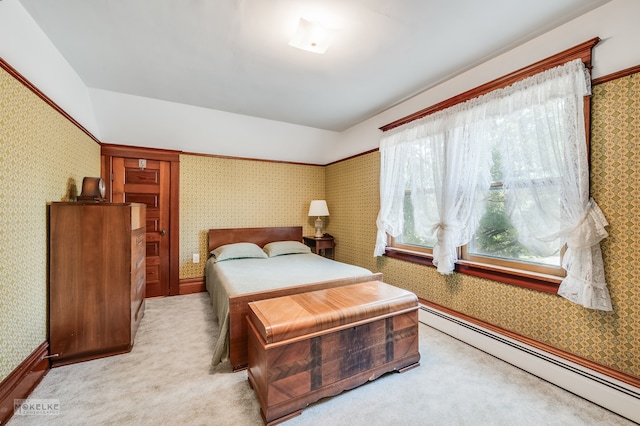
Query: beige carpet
[167, 380]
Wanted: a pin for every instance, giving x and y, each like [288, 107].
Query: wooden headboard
[259, 236]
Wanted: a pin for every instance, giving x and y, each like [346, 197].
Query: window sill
[530, 280]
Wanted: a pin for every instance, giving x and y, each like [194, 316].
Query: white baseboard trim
[612, 394]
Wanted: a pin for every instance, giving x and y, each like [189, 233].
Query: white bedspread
[243, 276]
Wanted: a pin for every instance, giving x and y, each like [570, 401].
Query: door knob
[163, 232]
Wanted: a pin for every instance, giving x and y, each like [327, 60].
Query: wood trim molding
[354, 156]
[231, 157]
[192, 285]
[531, 281]
[407, 256]
[616, 75]
[592, 365]
[113, 150]
[504, 275]
[174, 228]
[581, 51]
[23, 380]
[15, 74]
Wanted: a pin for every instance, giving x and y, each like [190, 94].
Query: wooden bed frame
[239, 304]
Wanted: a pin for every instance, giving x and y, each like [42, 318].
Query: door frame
[108, 151]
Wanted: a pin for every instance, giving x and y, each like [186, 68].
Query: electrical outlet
[196, 257]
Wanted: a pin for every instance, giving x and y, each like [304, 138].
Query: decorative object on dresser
[319, 245]
[318, 208]
[308, 346]
[93, 189]
[96, 279]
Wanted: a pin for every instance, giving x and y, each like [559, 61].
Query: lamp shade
[318, 208]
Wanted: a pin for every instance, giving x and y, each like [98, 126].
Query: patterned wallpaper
[43, 158]
[609, 338]
[352, 189]
[227, 193]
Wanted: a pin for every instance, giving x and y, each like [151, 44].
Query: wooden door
[148, 182]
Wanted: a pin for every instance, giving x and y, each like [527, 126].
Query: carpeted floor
[167, 380]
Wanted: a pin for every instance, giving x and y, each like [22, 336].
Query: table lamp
[318, 208]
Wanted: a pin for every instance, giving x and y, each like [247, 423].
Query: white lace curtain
[537, 126]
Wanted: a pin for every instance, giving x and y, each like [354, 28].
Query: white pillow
[238, 251]
[278, 248]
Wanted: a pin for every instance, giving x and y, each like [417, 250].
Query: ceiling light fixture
[310, 36]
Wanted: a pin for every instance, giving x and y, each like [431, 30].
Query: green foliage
[496, 171]
[496, 236]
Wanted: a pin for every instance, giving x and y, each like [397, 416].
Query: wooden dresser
[96, 279]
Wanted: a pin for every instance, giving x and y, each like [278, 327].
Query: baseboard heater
[612, 394]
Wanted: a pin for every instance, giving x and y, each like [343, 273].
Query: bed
[233, 283]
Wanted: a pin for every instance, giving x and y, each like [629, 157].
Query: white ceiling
[233, 55]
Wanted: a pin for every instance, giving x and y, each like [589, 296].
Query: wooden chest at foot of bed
[308, 346]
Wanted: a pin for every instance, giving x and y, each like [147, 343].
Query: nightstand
[320, 245]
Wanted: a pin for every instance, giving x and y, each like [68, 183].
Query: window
[409, 238]
[499, 182]
[497, 241]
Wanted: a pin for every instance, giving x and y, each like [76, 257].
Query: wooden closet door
[149, 185]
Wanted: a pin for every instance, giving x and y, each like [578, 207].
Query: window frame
[539, 280]
[507, 264]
